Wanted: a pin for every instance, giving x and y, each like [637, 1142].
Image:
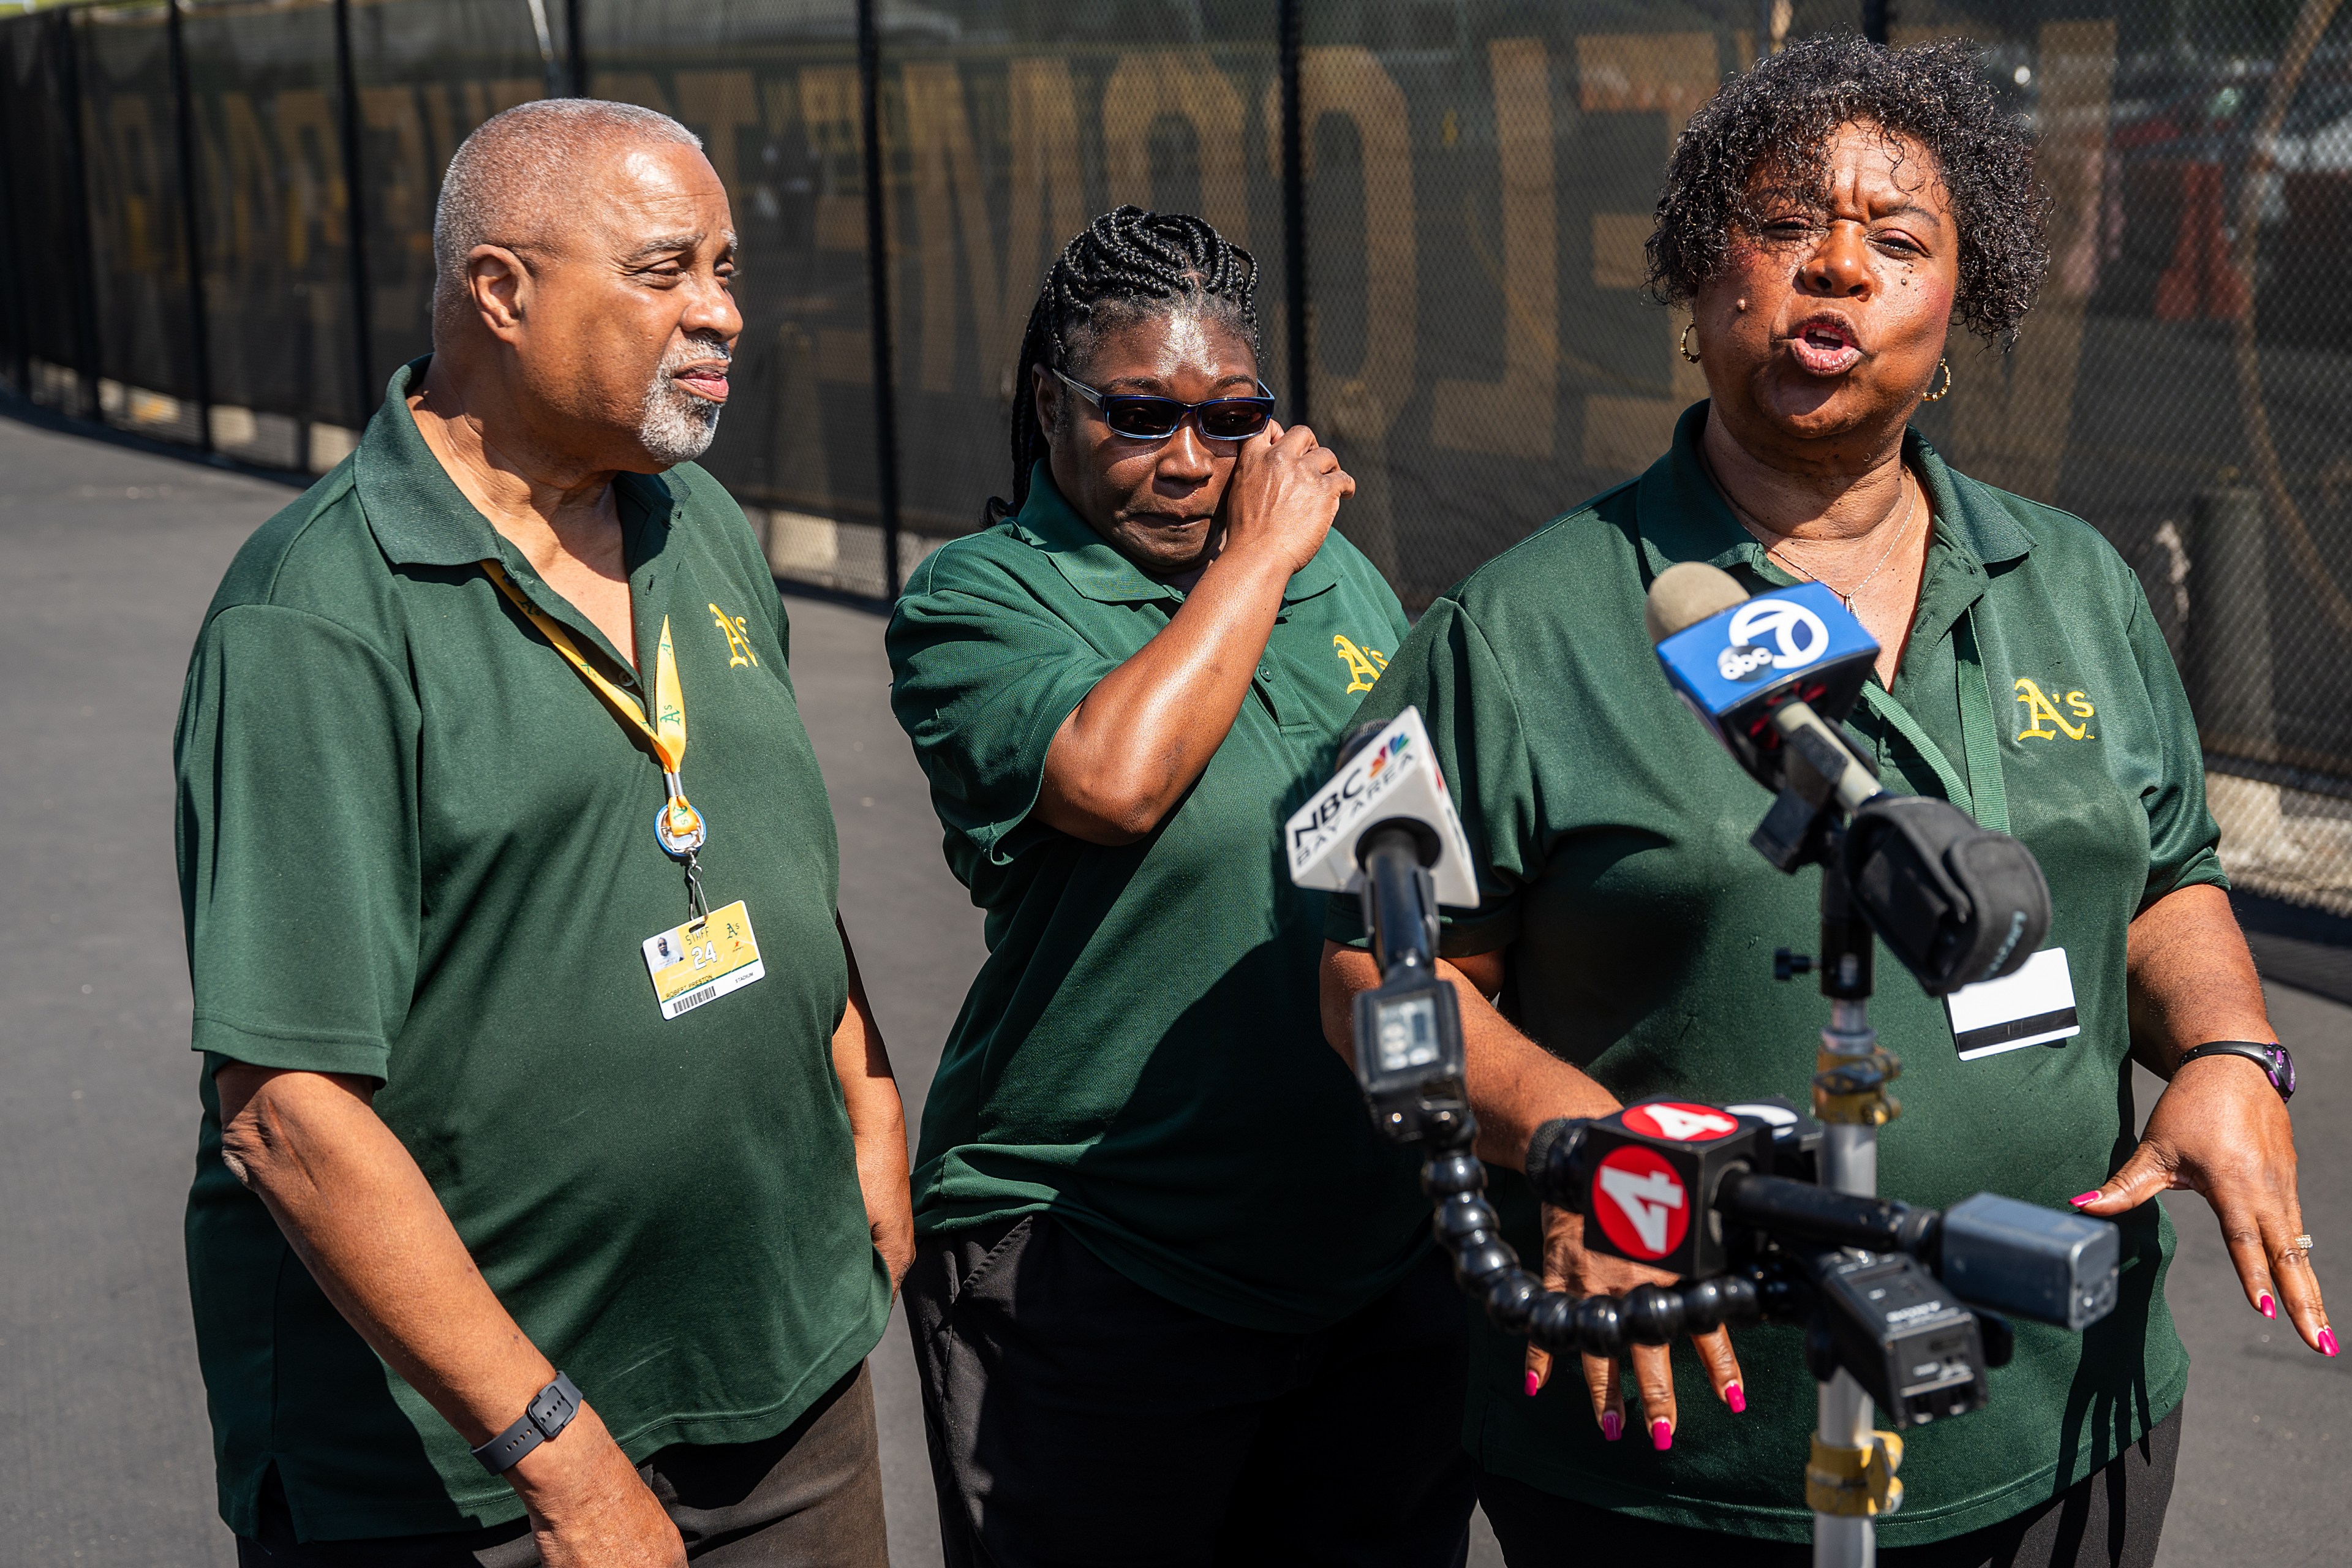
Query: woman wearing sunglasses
[1173, 1300]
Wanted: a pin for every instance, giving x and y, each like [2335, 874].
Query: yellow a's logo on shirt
[1364, 664]
[739, 640]
[2044, 721]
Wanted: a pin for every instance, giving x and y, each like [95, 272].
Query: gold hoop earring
[1944, 391]
[1684, 343]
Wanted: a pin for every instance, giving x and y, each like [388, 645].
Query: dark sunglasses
[1156, 418]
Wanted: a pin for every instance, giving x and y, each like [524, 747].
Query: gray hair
[516, 169]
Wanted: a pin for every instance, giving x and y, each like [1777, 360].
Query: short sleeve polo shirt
[1612, 834]
[414, 846]
[1141, 1054]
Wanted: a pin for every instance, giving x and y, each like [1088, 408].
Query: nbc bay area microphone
[1385, 829]
[1771, 677]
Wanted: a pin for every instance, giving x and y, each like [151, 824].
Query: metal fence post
[878, 284]
[2228, 656]
[85, 272]
[1293, 205]
[1876, 16]
[12, 274]
[355, 215]
[575, 42]
[192, 238]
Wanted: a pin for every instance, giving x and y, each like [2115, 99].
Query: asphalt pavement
[108, 557]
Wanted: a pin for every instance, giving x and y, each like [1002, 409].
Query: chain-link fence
[1447, 199]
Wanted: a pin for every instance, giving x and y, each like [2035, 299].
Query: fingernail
[1535, 1385]
[1736, 1397]
[2327, 1342]
[1613, 1426]
[1661, 1434]
[2264, 1305]
[2090, 1197]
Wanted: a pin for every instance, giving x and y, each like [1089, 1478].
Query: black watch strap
[2268, 1055]
[550, 1411]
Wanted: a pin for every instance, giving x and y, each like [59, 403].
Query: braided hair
[1127, 266]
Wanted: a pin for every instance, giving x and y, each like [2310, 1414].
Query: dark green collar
[1683, 517]
[420, 517]
[1095, 568]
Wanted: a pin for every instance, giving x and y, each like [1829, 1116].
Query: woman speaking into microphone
[1827, 219]
[1174, 1299]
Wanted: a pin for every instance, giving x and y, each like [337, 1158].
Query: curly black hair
[1767, 135]
[1126, 265]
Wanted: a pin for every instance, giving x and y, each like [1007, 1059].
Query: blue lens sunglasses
[1142, 418]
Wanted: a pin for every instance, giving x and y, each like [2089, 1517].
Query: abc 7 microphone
[1772, 676]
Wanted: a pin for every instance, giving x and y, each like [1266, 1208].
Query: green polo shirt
[1141, 1054]
[414, 846]
[1610, 832]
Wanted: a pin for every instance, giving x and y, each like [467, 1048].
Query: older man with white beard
[552, 1183]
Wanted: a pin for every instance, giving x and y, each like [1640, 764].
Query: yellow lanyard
[679, 826]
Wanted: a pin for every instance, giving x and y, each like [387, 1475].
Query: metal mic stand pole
[1850, 1477]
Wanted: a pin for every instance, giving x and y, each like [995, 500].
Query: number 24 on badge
[702, 960]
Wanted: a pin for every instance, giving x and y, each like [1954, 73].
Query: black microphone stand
[1417, 1093]
[1791, 1232]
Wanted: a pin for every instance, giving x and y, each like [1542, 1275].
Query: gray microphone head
[1684, 594]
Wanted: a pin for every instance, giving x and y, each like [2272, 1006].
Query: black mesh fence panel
[773, 91]
[274, 218]
[1477, 177]
[147, 349]
[2183, 383]
[49, 304]
[1007, 126]
[1479, 181]
[428, 72]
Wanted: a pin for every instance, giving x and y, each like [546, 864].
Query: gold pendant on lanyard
[678, 827]
[678, 824]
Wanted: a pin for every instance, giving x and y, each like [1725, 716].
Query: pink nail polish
[1613, 1426]
[1535, 1385]
[2264, 1305]
[2080, 1199]
[1736, 1397]
[2327, 1342]
[1661, 1434]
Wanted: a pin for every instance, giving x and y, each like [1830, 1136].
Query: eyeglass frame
[1191, 411]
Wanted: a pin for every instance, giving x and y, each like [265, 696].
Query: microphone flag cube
[1654, 1169]
[1395, 776]
[1792, 644]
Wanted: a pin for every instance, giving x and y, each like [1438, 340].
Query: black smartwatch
[550, 1411]
[2268, 1055]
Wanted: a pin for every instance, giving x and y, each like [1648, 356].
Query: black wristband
[550, 1411]
[2268, 1055]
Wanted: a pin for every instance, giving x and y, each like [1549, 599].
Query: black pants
[1075, 1417]
[809, 1497]
[2110, 1519]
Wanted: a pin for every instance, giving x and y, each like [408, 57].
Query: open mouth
[1825, 346]
[708, 382]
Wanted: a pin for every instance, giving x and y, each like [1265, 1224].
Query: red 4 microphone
[1695, 1189]
[1656, 1169]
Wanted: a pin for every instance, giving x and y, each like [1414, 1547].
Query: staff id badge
[2034, 1006]
[703, 960]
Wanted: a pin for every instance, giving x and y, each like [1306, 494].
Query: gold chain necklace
[1763, 537]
